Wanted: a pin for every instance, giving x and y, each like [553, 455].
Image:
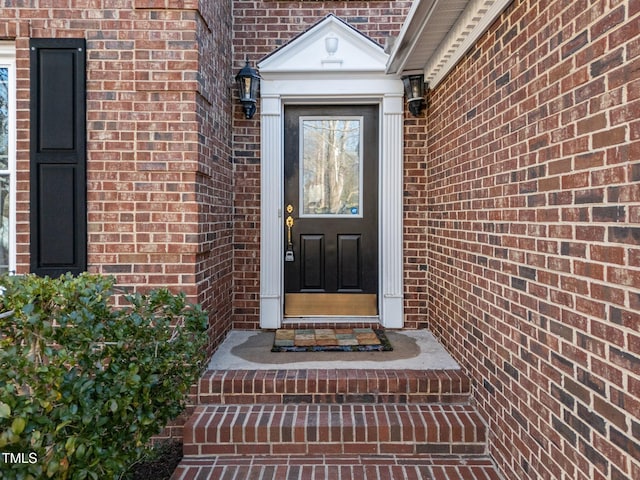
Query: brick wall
[159, 152]
[260, 27]
[215, 178]
[415, 222]
[533, 186]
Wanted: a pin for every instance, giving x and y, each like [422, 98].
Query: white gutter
[410, 34]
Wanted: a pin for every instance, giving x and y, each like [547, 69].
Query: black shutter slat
[58, 157]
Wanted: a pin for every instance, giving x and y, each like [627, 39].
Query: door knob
[288, 256]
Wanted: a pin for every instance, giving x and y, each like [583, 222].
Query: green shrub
[83, 385]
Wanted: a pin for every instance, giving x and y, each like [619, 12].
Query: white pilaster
[271, 171]
[392, 291]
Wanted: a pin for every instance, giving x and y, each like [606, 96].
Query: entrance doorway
[304, 72]
[331, 166]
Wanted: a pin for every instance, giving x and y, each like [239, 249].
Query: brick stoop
[335, 424]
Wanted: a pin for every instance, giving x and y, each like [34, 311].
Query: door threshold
[332, 305]
[323, 320]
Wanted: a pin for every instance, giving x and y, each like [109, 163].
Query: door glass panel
[331, 166]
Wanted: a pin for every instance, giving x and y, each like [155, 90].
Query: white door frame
[390, 295]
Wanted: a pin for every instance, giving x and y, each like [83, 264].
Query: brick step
[332, 386]
[338, 467]
[304, 429]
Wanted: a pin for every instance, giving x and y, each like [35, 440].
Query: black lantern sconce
[414, 89]
[248, 81]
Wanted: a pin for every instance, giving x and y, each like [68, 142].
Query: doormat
[331, 340]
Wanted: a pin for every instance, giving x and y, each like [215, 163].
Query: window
[331, 164]
[7, 156]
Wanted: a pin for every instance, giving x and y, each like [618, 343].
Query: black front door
[331, 210]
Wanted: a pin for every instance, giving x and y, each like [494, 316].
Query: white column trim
[271, 180]
[391, 225]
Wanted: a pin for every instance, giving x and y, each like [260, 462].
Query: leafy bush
[84, 385]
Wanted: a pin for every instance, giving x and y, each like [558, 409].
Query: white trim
[8, 59]
[308, 53]
[420, 13]
[391, 212]
[284, 83]
[474, 21]
[423, 43]
[271, 176]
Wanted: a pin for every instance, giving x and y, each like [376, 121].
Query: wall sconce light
[414, 90]
[248, 81]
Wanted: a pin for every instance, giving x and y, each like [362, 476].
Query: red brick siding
[159, 151]
[260, 27]
[533, 187]
[416, 246]
[215, 180]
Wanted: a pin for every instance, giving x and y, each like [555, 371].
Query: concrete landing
[412, 350]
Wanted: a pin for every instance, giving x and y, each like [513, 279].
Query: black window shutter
[58, 157]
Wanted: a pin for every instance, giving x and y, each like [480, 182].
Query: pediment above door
[330, 46]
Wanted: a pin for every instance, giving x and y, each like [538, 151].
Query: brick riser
[334, 429]
[329, 467]
[333, 386]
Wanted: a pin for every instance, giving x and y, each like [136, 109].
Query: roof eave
[423, 45]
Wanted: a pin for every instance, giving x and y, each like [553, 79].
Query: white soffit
[437, 33]
[314, 51]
